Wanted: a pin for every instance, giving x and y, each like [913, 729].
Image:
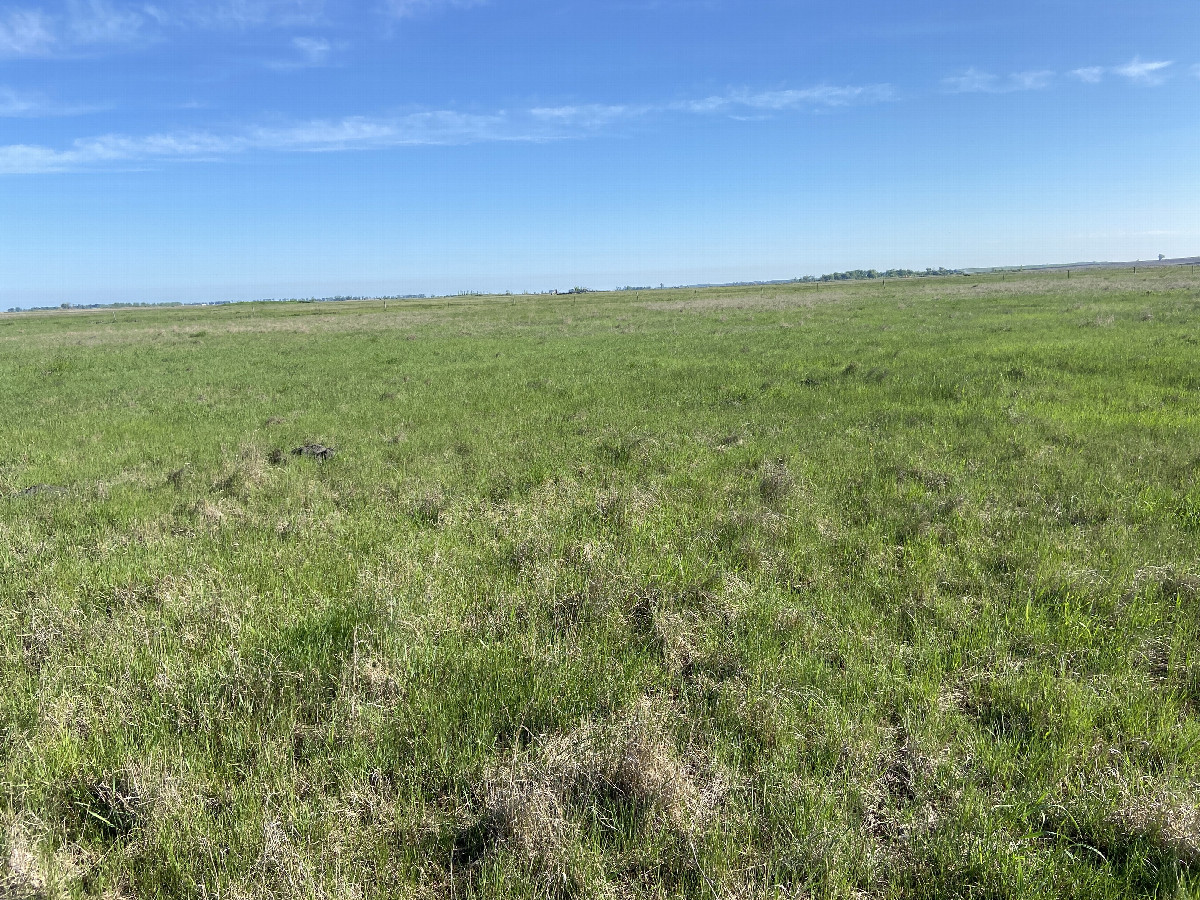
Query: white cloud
[14, 104]
[365, 132]
[26, 32]
[798, 98]
[442, 127]
[99, 22]
[79, 26]
[588, 115]
[1144, 72]
[1030, 81]
[1089, 74]
[20, 104]
[973, 81]
[314, 50]
[256, 13]
[403, 8]
[311, 52]
[93, 153]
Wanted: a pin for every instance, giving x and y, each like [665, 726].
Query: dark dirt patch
[41, 490]
[314, 451]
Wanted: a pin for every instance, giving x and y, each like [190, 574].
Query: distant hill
[1182, 261]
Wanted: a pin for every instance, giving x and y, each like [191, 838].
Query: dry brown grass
[1170, 822]
[536, 803]
[30, 870]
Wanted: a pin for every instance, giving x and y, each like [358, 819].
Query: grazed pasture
[857, 590]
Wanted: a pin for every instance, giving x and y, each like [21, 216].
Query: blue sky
[237, 149]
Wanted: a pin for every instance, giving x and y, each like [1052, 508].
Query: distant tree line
[851, 275]
[865, 274]
[121, 304]
[118, 305]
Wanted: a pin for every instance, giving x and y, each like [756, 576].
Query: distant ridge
[1138, 263]
[851, 275]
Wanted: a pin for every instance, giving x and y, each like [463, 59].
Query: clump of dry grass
[1171, 823]
[535, 803]
[690, 630]
[775, 481]
[282, 868]
[612, 507]
[28, 871]
[210, 514]
[23, 872]
[1166, 582]
[897, 804]
[429, 507]
[241, 475]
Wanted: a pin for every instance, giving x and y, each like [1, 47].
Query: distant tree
[1161, 257]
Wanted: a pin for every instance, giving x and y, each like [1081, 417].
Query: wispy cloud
[415, 129]
[13, 104]
[239, 14]
[311, 52]
[1089, 74]
[1144, 72]
[78, 26]
[21, 104]
[974, 81]
[798, 98]
[351, 133]
[588, 115]
[437, 127]
[72, 27]
[404, 8]
[26, 32]
[314, 50]
[90, 22]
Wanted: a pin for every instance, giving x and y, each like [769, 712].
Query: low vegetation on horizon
[861, 590]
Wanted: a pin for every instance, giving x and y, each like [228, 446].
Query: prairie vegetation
[876, 589]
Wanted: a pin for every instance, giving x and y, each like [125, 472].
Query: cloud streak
[780, 101]
[26, 32]
[1089, 74]
[20, 105]
[405, 8]
[1141, 72]
[75, 27]
[441, 127]
[310, 53]
[79, 27]
[246, 14]
[974, 81]
[1136, 70]
[437, 127]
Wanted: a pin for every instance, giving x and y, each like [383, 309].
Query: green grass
[866, 590]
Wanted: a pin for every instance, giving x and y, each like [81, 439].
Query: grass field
[866, 590]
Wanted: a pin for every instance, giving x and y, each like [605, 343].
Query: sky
[245, 149]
